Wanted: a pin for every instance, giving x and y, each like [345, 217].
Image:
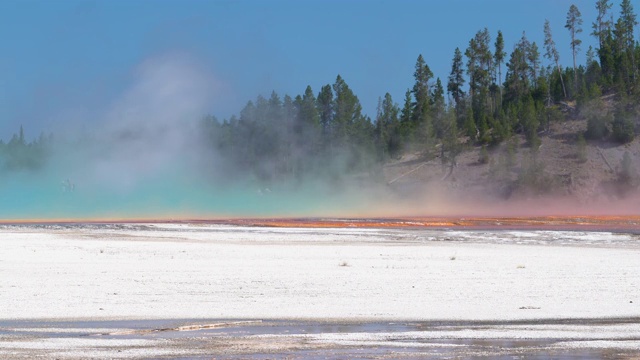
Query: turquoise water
[167, 194]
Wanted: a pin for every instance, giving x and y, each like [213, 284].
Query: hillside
[511, 170]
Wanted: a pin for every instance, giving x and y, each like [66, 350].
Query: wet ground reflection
[233, 339]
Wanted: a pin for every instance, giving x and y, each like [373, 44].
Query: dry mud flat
[124, 290]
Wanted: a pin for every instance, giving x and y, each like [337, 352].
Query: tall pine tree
[574, 25]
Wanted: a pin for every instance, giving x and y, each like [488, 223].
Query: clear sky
[69, 59]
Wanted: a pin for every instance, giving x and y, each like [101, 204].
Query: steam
[143, 158]
[141, 149]
[148, 131]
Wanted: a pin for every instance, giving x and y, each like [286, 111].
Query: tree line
[19, 154]
[488, 97]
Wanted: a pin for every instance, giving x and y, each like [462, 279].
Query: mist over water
[144, 158]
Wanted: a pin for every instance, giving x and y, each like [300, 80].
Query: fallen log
[407, 173]
[605, 159]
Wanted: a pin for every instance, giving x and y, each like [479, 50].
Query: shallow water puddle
[581, 338]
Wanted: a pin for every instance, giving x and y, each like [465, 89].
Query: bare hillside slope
[560, 168]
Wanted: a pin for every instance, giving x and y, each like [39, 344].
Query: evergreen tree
[450, 146]
[533, 59]
[623, 125]
[598, 117]
[21, 137]
[602, 25]
[261, 110]
[479, 69]
[574, 25]
[20, 155]
[498, 57]
[421, 116]
[607, 59]
[552, 52]
[274, 113]
[592, 75]
[406, 125]
[602, 31]
[438, 109]
[387, 136]
[348, 113]
[325, 110]
[307, 128]
[529, 122]
[517, 78]
[470, 128]
[623, 72]
[456, 79]
[290, 113]
[437, 96]
[308, 115]
[628, 20]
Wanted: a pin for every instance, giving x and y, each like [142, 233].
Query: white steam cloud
[149, 131]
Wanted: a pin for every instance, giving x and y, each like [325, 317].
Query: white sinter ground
[193, 271]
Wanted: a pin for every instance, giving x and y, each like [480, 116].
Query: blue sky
[68, 59]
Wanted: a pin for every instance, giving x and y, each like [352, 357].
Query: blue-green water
[168, 194]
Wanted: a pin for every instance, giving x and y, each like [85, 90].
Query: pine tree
[437, 95]
[598, 117]
[533, 62]
[607, 59]
[498, 57]
[574, 25]
[421, 116]
[387, 136]
[470, 128]
[479, 69]
[602, 25]
[21, 137]
[623, 125]
[307, 127]
[628, 22]
[274, 112]
[517, 78]
[529, 122]
[288, 138]
[622, 71]
[348, 112]
[552, 52]
[325, 110]
[456, 78]
[308, 114]
[406, 125]
[438, 109]
[450, 146]
[592, 75]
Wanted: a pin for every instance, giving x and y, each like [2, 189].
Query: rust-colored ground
[594, 223]
[547, 222]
